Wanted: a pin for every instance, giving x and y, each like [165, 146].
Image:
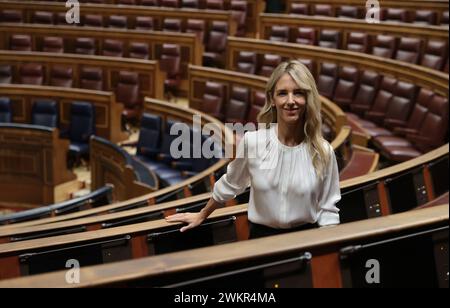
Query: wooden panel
[31, 160]
[326, 271]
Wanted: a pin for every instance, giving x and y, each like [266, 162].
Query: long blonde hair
[313, 120]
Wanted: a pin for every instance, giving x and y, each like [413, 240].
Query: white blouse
[285, 191]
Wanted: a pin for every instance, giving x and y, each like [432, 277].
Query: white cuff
[328, 218]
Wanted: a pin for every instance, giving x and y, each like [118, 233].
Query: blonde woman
[291, 168]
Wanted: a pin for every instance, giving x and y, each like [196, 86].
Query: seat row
[127, 88]
[416, 16]
[377, 105]
[433, 53]
[45, 112]
[214, 54]
[384, 106]
[155, 145]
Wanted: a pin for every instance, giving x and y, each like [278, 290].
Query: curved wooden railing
[328, 251]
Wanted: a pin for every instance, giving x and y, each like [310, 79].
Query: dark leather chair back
[139, 50]
[149, 134]
[246, 62]
[112, 48]
[306, 36]
[144, 23]
[61, 76]
[326, 82]
[32, 73]
[20, 42]
[435, 54]
[91, 78]
[384, 46]
[299, 8]
[236, 111]
[346, 85]
[45, 113]
[82, 122]
[5, 74]
[268, 64]
[330, 39]
[85, 46]
[366, 92]
[5, 110]
[53, 44]
[409, 50]
[259, 100]
[279, 34]
[213, 98]
[358, 41]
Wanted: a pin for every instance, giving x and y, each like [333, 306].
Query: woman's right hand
[192, 219]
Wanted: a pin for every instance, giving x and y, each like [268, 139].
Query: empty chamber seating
[215, 47]
[5, 74]
[53, 44]
[61, 76]
[5, 110]
[170, 63]
[127, 93]
[327, 79]
[45, 112]
[20, 42]
[259, 99]
[246, 62]
[268, 64]
[213, 99]
[81, 127]
[32, 73]
[431, 134]
[91, 78]
[236, 111]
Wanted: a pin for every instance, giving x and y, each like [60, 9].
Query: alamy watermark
[73, 14]
[373, 274]
[207, 141]
[73, 274]
[372, 11]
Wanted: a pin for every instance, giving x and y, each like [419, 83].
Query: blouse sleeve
[330, 194]
[237, 178]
